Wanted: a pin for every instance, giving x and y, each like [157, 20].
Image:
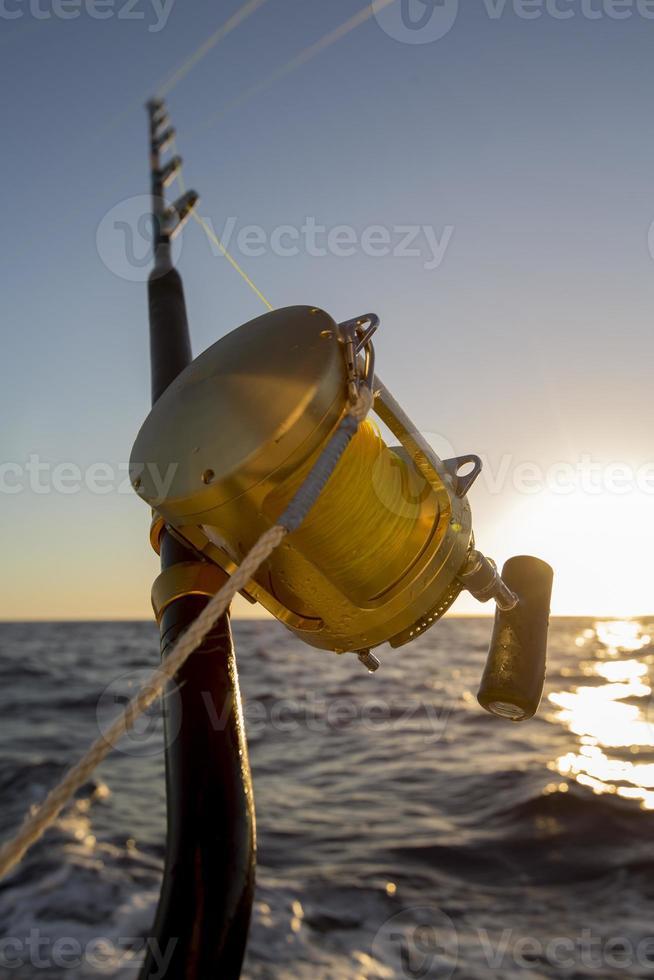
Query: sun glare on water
[612, 714]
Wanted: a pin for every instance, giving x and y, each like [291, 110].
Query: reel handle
[513, 679]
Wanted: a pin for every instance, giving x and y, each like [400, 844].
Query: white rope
[39, 819]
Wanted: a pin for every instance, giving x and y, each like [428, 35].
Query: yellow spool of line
[371, 522]
[378, 556]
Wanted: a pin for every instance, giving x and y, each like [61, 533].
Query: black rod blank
[208, 885]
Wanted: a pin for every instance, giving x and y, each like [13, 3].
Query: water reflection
[610, 712]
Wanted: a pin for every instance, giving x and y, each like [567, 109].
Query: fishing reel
[388, 546]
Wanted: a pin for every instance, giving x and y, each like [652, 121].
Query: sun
[599, 544]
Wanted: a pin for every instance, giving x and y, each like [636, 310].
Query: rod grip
[513, 679]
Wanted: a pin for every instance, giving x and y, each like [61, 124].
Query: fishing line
[210, 233]
[241, 14]
[172, 80]
[213, 237]
[374, 512]
[298, 61]
[302, 58]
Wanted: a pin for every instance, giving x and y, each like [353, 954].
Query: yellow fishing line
[303, 57]
[374, 512]
[172, 80]
[212, 236]
[210, 233]
[241, 14]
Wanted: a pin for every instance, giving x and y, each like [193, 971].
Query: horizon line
[264, 619]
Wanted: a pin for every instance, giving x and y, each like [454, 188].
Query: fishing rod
[208, 884]
[378, 558]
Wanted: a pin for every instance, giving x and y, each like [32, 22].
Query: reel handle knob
[513, 679]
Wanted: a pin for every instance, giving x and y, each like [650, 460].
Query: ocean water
[403, 832]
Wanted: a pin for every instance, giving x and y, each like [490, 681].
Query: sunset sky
[518, 153]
